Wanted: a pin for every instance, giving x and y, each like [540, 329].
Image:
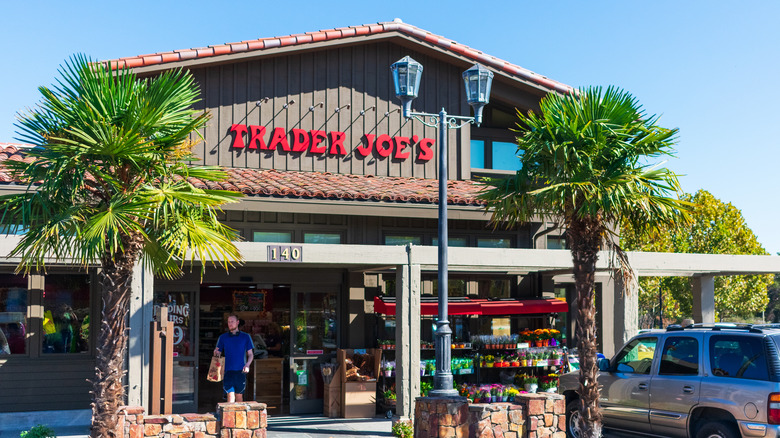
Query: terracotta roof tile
[312, 185]
[342, 33]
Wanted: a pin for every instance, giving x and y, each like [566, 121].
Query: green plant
[39, 431]
[389, 395]
[403, 429]
[425, 388]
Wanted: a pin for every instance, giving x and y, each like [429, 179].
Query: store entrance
[313, 340]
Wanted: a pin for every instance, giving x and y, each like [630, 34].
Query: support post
[161, 364]
[141, 314]
[442, 381]
[703, 288]
[407, 335]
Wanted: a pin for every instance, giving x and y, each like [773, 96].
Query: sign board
[249, 301]
[285, 253]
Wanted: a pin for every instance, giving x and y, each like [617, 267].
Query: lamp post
[406, 77]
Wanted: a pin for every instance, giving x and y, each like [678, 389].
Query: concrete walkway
[321, 427]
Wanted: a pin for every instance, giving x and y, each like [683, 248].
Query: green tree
[582, 165]
[111, 184]
[716, 228]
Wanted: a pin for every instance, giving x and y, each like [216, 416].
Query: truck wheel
[717, 429]
[573, 419]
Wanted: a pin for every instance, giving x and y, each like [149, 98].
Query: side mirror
[603, 364]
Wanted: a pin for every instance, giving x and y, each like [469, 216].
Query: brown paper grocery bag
[216, 369]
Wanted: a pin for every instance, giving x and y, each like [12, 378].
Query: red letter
[316, 138]
[240, 130]
[400, 144]
[257, 137]
[425, 149]
[384, 139]
[365, 148]
[300, 140]
[279, 137]
[337, 143]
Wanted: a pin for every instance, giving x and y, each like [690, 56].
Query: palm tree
[584, 165]
[110, 184]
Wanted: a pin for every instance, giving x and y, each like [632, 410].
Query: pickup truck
[698, 381]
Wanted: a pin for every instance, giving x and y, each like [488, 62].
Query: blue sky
[708, 68]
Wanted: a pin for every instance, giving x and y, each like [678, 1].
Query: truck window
[680, 357]
[637, 356]
[740, 357]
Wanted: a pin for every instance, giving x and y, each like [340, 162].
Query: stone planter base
[529, 416]
[233, 420]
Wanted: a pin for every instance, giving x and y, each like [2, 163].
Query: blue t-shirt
[234, 348]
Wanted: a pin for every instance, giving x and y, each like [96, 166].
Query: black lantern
[407, 74]
[478, 81]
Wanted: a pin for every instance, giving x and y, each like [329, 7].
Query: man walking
[237, 347]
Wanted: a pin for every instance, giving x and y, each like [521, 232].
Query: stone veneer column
[407, 334]
[436, 417]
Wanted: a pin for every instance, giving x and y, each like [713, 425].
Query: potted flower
[430, 367]
[511, 392]
[555, 337]
[488, 360]
[549, 383]
[522, 357]
[514, 360]
[555, 358]
[525, 339]
[530, 383]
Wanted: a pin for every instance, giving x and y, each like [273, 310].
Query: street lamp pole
[407, 74]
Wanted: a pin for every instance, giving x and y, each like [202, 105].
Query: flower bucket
[531, 387]
[554, 389]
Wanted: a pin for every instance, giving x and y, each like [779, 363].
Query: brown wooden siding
[39, 384]
[358, 76]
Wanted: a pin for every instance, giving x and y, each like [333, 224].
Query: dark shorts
[234, 381]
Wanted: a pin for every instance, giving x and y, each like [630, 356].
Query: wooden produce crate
[358, 398]
[267, 384]
[332, 396]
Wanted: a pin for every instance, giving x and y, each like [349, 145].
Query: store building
[340, 214]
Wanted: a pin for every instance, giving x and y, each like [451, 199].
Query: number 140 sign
[285, 253]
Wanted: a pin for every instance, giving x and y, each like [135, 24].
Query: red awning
[482, 307]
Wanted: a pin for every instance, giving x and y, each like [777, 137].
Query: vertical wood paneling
[254, 85]
[226, 115]
[370, 118]
[343, 120]
[294, 112]
[268, 89]
[199, 149]
[240, 110]
[324, 91]
[307, 99]
[281, 96]
[211, 135]
[358, 75]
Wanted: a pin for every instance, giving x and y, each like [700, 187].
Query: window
[556, 242]
[494, 154]
[456, 287]
[452, 241]
[403, 240]
[739, 357]
[494, 288]
[494, 243]
[330, 238]
[13, 314]
[272, 236]
[66, 314]
[637, 356]
[680, 357]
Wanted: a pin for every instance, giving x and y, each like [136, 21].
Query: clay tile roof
[313, 185]
[345, 33]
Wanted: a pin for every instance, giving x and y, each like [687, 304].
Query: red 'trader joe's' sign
[332, 143]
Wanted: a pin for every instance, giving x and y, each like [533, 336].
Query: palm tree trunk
[108, 392]
[586, 238]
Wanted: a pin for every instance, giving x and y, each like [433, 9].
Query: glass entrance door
[182, 311]
[313, 340]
